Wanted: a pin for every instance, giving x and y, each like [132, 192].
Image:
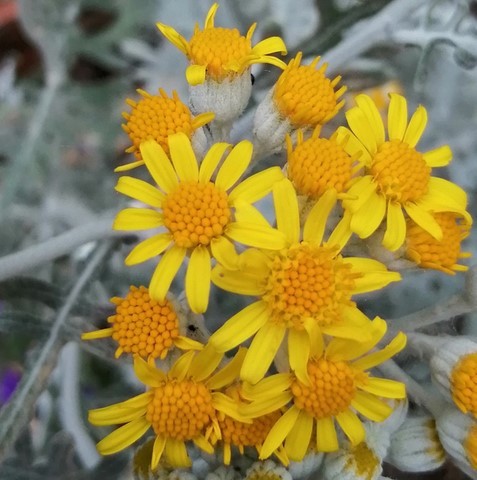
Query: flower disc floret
[195, 213]
[180, 409]
[331, 390]
[401, 173]
[464, 384]
[308, 281]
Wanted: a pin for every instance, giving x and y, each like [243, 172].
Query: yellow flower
[305, 289]
[143, 326]
[423, 249]
[338, 387]
[398, 177]
[155, 117]
[196, 213]
[464, 385]
[180, 406]
[305, 96]
[317, 164]
[221, 53]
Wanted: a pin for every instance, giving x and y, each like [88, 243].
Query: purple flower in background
[9, 379]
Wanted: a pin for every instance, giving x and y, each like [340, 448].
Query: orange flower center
[363, 461]
[308, 281]
[428, 252]
[464, 383]
[144, 326]
[305, 96]
[400, 171]
[195, 213]
[331, 391]
[220, 50]
[180, 409]
[318, 165]
[470, 446]
[156, 117]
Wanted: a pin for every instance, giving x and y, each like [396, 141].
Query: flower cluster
[200, 210]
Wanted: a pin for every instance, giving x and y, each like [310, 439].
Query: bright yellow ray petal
[395, 227]
[209, 19]
[203, 444]
[279, 432]
[286, 209]
[122, 437]
[373, 359]
[205, 362]
[299, 353]
[267, 388]
[183, 157]
[242, 282]
[157, 450]
[176, 453]
[397, 117]
[224, 252]
[352, 145]
[197, 280]
[342, 232]
[148, 249]
[180, 368]
[174, 37]
[262, 351]
[122, 412]
[137, 219]
[368, 107]
[128, 166]
[424, 219]
[351, 426]
[416, 126]
[449, 192]
[211, 160]
[383, 387]
[186, 343]
[95, 334]
[254, 235]
[360, 126]
[234, 165]
[245, 212]
[265, 406]
[439, 157]
[326, 436]
[346, 330]
[362, 190]
[240, 327]
[298, 440]
[195, 74]
[268, 59]
[165, 272]
[257, 186]
[230, 407]
[140, 190]
[371, 407]
[149, 375]
[270, 45]
[315, 224]
[159, 165]
[375, 275]
[317, 343]
[202, 119]
[367, 219]
[229, 373]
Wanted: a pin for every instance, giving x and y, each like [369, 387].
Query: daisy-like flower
[221, 53]
[428, 252]
[201, 217]
[146, 327]
[398, 177]
[317, 164]
[305, 289]
[339, 386]
[181, 406]
[155, 117]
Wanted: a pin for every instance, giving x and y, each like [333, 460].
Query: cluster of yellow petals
[464, 384]
[363, 461]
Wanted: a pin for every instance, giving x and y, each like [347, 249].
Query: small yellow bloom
[181, 406]
[305, 289]
[463, 384]
[200, 217]
[222, 53]
[155, 117]
[398, 177]
[338, 386]
[143, 326]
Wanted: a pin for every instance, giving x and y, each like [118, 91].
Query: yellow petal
[186, 343]
[227, 405]
[240, 327]
[262, 351]
[298, 440]
[268, 59]
[257, 186]
[175, 38]
[299, 353]
[326, 437]
[267, 388]
[122, 412]
[360, 126]
[368, 107]
[254, 235]
[279, 432]
[373, 359]
[122, 437]
[205, 362]
[315, 224]
[375, 275]
[352, 145]
[224, 252]
[203, 444]
[229, 373]
[371, 407]
[181, 367]
[165, 272]
[234, 165]
[148, 249]
[362, 190]
[416, 126]
[397, 117]
[140, 190]
[265, 406]
[342, 232]
[439, 157]
[128, 166]
[149, 375]
[211, 160]
[137, 219]
[447, 192]
[242, 282]
[103, 333]
[286, 209]
[176, 453]
[195, 74]
[209, 19]
[395, 227]
[367, 219]
[202, 119]
[183, 157]
[245, 212]
[197, 281]
[351, 426]
[159, 165]
[383, 387]
[157, 450]
[424, 219]
[270, 45]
